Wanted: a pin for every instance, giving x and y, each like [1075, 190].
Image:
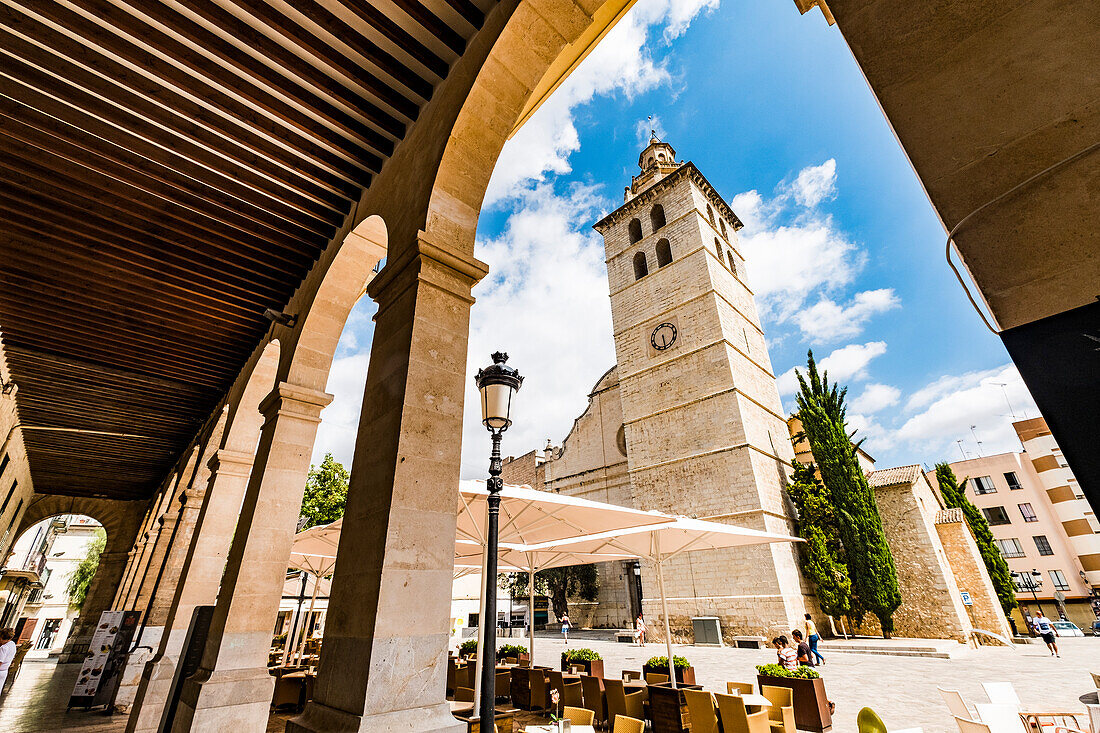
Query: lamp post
[1032, 581]
[497, 384]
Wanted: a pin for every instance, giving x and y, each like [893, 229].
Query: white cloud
[875, 397]
[826, 320]
[846, 364]
[546, 304]
[623, 62]
[951, 404]
[647, 127]
[346, 381]
[814, 184]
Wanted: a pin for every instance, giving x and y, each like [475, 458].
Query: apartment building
[1041, 522]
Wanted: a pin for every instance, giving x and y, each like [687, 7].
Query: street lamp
[497, 384]
[1032, 581]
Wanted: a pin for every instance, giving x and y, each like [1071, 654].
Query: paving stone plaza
[901, 689]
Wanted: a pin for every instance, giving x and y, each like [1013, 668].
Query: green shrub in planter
[802, 672]
[580, 654]
[662, 662]
[467, 648]
[511, 650]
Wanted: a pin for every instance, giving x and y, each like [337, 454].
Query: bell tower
[704, 426]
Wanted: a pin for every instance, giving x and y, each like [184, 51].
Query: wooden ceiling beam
[380, 22]
[70, 365]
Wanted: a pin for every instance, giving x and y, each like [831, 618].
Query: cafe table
[756, 701]
[553, 729]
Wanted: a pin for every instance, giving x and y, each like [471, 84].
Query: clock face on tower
[663, 337]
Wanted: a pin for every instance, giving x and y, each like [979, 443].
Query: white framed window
[1011, 547]
[984, 485]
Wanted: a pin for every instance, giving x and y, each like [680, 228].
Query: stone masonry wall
[970, 572]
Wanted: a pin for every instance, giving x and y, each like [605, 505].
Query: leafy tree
[558, 583]
[822, 554]
[326, 492]
[871, 567]
[81, 578]
[954, 495]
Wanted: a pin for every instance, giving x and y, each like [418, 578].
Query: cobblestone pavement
[902, 690]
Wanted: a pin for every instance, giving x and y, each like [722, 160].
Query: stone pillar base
[236, 700]
[319, 718]
[149, 705]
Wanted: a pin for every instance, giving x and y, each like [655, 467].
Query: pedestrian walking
[813, 638]
[1046, 630]
[639, 630]
[7, 653]
[565, 627]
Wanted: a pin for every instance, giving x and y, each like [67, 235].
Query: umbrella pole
[480, 660]
[531, 613]
[664, 610]
[309, 614]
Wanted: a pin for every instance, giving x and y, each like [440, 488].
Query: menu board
[106, 653]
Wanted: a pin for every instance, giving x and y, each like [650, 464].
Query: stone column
[232, 689]
[101, 594]
[384, 658]
[216, 510]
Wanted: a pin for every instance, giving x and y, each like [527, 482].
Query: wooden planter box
[520, 657]
[684, 675]
[594, 667]
[668, 708]
[811, 707]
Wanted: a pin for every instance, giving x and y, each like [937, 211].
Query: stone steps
[890, 652]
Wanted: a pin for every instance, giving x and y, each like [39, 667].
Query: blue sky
[844, 251]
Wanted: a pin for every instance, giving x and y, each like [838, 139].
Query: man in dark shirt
[805, 656]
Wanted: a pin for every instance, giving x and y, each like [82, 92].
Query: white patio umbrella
[660, 543]
[520, 559]
[314, 552]
[527, 517]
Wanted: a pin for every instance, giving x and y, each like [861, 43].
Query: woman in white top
[7, 653]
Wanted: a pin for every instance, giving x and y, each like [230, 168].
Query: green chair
[868, 721]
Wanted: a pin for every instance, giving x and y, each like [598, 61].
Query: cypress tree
[954, 495]
[821, 555]
[871, 567]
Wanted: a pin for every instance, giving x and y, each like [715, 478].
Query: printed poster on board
[99, 651]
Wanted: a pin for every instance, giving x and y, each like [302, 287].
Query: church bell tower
[705, 430]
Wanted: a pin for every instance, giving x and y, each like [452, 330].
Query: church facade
[689, 420]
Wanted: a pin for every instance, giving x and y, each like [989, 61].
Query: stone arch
[664, 253]
[710, 214]
[307, 363]
[718, 248]
[635, 231]
[722, 225]
[243, 419]
[733, 264]
[121, 520]
[641, 268]
[657, 216]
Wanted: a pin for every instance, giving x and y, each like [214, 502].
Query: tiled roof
[894, 476]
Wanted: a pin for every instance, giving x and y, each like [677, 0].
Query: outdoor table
[552, 729]
[756, 701]
[505, 717]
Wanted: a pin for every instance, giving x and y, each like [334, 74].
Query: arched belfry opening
[635, 231]
[664, 253]
[641, 268]
[657, 216]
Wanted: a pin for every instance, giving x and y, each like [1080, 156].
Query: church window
[657, 216]
[722, 223]
[641, 269]
[635, 231]
[664, 253]
[710, 214]
[733, 265]
[718, 248]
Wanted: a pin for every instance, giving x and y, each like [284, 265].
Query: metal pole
[531, 611]
[291, 633]
[480, 654]
[309, 613]
[489, 671]
[664, 610]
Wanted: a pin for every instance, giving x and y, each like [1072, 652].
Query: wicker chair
[569, 693]
[578, 716]
[781, 712]
[739, 688]
[700, 705]
[540, 690]
[653, 678]
[736, 719]
[624, 724]
[620, 704]
[464, 694]
[592, 693]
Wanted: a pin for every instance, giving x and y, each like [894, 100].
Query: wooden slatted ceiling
[168, 170]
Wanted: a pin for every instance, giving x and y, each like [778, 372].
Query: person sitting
[802, 653]
[788, 659]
